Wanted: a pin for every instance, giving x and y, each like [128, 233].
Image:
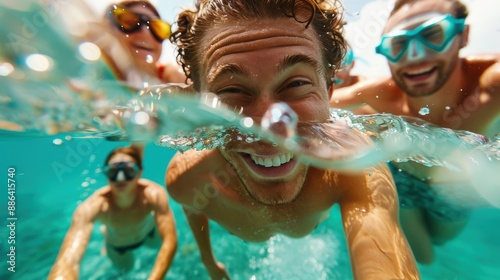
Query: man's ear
[465, 37]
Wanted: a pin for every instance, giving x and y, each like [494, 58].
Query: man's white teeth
[272, 161]
[419, 72]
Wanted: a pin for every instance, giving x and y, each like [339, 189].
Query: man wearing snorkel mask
[421, 41]
[133, 212]
[254, 54]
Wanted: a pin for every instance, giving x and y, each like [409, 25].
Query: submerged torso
[126, 226]
[235, 210]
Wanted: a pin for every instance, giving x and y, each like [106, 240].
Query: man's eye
[230, 90]
[297, 83]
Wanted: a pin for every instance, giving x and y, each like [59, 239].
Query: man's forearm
[164, 259]
[200, 228]
[62, 270]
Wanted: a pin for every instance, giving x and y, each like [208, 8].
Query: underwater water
[46, 198]
[58, 138]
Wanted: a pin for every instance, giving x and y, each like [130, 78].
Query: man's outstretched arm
[67, 265]
[165, 223]
[200, 227]
[363, 97]
[377, 245]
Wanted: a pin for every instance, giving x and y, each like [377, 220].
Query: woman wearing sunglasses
[140, 32]
[133, 212]
[432, 81]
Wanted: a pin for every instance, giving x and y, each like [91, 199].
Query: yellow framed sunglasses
[129, 22]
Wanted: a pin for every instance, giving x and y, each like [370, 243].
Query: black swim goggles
[129, 22]
[127, 169]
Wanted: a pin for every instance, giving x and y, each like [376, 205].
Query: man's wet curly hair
[325, 17]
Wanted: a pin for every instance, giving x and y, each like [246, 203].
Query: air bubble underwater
[280, 120]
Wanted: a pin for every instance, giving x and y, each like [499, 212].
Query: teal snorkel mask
[346, 62]
[435, 34]
[121, 171]
[348, 58]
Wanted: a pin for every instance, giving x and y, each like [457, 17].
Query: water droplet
[68, 138]
[85, 184]
[149, 58]
[424, 111]
[57, 142]
[280, 119]
[376, 96]
[447, 107]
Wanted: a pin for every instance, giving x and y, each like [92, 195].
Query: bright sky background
[366, 18]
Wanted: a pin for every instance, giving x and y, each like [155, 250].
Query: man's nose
[416, 50]
[259, 106]
[120, 176]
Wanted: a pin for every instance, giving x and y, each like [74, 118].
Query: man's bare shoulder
[485, 67]
[484, 60]
[100, 196]
[154, 193]
[489, 71]
[189, 170]
[95, 204]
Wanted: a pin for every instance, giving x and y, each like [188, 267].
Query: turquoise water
[46, 198]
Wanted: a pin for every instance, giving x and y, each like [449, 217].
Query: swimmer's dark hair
[132, 151]
[324, 16]
[459, 8]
